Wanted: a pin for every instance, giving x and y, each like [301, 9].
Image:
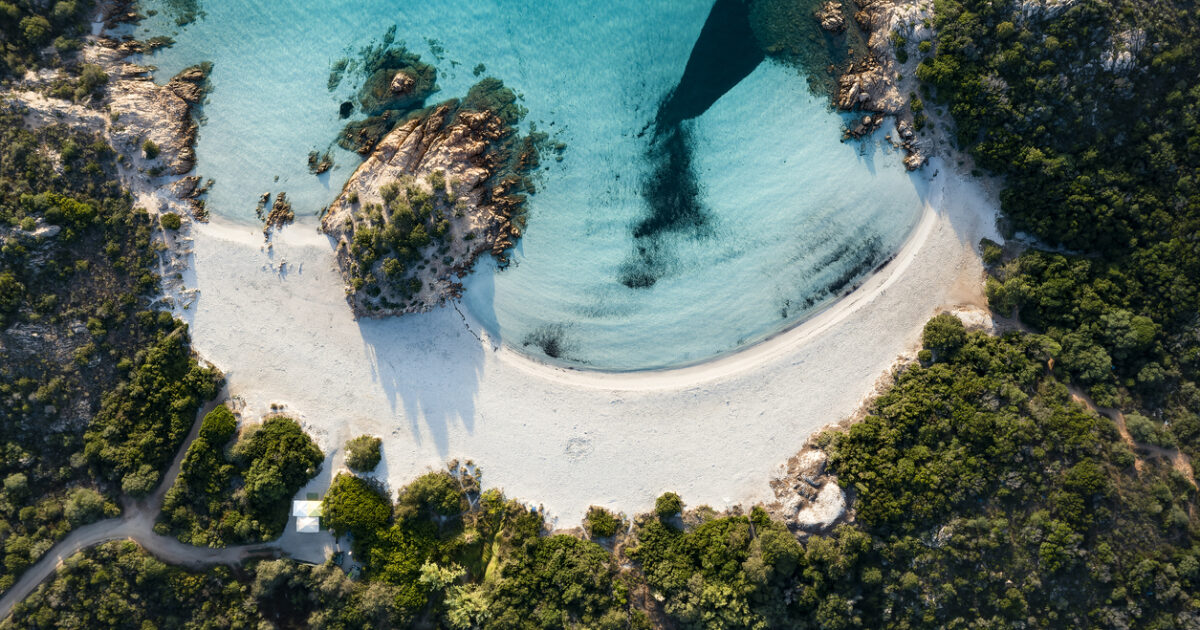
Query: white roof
[308, 524]
[306, 508]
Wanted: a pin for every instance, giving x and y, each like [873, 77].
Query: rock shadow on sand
[429, 366]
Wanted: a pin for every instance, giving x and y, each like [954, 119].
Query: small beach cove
[710, 403]
[275, 320]
[788, 218]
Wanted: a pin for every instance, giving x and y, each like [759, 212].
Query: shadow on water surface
[724, 54]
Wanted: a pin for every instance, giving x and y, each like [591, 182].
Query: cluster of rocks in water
[278, 216]
[445, 185]
[871, 85]
[831, 17]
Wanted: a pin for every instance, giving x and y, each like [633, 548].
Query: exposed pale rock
[1044, 9]
[160, 114]
[402, 84]
[825, 510]
[831, 18]
[872, 84]
[808, 497]
[280, 215]
[915, 158]
[1124, 49]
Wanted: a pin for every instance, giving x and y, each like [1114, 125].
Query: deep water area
[704, 200]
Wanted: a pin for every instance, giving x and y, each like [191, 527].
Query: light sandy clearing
[276, 321]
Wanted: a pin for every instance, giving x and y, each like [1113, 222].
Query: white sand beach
[276, 321]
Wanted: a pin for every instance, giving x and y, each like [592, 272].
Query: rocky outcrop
[402, 84]
[144, 112]
[872, 85]
[830, 16]
[438, 191]
[280, 215]
[808, 497]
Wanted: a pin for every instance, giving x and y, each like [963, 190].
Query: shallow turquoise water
[793, 213]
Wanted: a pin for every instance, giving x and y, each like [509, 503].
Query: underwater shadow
[725, 53]
[429, 366]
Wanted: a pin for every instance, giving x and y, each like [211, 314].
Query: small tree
[149, 149]
[668, 505]
[171, 221]
[600, 523]
[944, 334]
[430, 496]
[354, 506]
[362, 453]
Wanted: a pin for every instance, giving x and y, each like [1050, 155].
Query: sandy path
[1179, 461]
[276, 322]
[138, 528]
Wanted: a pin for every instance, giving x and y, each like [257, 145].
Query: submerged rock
[443, 187]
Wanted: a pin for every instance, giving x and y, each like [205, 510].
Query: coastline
[735, 360]
[273, 317]
[271, 313]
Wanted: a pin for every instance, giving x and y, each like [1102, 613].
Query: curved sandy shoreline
[744, 358]
[275, 320]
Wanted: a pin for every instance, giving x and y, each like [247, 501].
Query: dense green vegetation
[96, 389]
[239, 493]
[985, 497]
[117, 585]
[1093, 117]
[142, 422]
[29, 27]
[362, 453]
[448, 552]
[398, 234]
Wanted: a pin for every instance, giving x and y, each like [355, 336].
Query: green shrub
[362, 453]
[278, 458]
[668, 505]
[171, 221]
[435, 494]
[1146, 431]
[36, 29]
[354, 506]
[218, 425]
[600, 523]
[944, 333]
[149, 149]
[991, 251]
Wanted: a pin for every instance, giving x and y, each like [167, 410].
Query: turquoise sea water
[794, 216]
